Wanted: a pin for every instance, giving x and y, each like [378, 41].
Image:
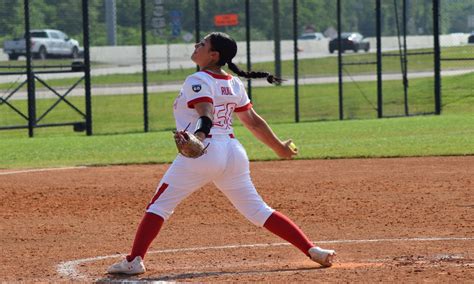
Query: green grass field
[119, 139]
[397, 137]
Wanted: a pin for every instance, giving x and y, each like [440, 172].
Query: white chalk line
[68, 268]
[40, 170]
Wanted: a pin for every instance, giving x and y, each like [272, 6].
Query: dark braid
[227, 48]
[252, 74]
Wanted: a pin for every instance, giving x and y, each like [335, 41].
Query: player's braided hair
[227, 48]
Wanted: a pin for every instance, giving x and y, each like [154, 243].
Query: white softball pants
[227, 165]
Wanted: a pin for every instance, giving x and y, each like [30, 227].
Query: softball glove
[189, 145]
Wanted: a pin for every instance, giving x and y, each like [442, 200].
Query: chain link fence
[457, 49]
[30, 94]
[133, 86]
[408, 54]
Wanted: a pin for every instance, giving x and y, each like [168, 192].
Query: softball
[292, 146]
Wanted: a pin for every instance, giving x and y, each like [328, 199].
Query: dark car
[470, 39]
[350, 41]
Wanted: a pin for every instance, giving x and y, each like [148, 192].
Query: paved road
[155, 64]
[138, 89]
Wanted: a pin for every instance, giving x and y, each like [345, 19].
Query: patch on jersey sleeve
[196, 88]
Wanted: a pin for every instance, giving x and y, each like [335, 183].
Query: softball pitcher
[204, 109]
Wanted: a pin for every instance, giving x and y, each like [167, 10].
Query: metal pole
[197, 22]
[405, 59]
[87, 65]
[111, 21]
[437, 58]
[339, 61]
[144, 65]
[295, 60]
[29, 73]
[378, 18]
[247, 39]
[277, 37]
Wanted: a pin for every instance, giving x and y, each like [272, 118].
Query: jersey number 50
[223, 115]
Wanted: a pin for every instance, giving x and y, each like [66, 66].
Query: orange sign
[226, 20]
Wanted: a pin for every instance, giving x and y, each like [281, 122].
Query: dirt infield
[397, 220]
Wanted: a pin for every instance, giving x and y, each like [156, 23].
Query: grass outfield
[397, 137]
[449, 134]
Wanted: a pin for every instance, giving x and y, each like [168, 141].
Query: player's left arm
[263, 132]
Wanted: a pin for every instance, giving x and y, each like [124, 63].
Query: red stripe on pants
[162, 189]
[283, 227]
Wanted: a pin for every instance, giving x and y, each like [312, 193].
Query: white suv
[44, 43]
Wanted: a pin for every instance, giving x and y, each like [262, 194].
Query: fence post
[87, 65]
[144, 66]
[277, 37]
[339, 61]
[247, 39]
[405, 58]
[379, 58]
[29, 73]
[295, 60]
[437, 58]
[197, 22]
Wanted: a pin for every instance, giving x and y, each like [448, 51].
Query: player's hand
[287, 150]
[200, 135]
[180, 137]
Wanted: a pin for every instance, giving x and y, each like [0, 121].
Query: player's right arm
[204, 109]
[262, 131]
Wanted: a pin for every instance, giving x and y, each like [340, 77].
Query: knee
[164, 201]
[160, 211]
[260, 216]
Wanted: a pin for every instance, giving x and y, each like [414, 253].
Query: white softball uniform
[225, 163]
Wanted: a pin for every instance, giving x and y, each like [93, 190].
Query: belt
[231, 135]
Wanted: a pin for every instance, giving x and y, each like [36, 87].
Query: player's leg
[286, 229]
[179, 182]
[160, 208]
[236, 184]
[248, 202]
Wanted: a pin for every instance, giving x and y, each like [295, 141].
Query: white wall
[261, 50]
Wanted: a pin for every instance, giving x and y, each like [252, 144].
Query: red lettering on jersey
[226, 91]
[223, 115]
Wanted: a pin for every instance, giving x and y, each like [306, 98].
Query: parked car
[470, 39]
[314, 36]
[44, 43]
[350, 41]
